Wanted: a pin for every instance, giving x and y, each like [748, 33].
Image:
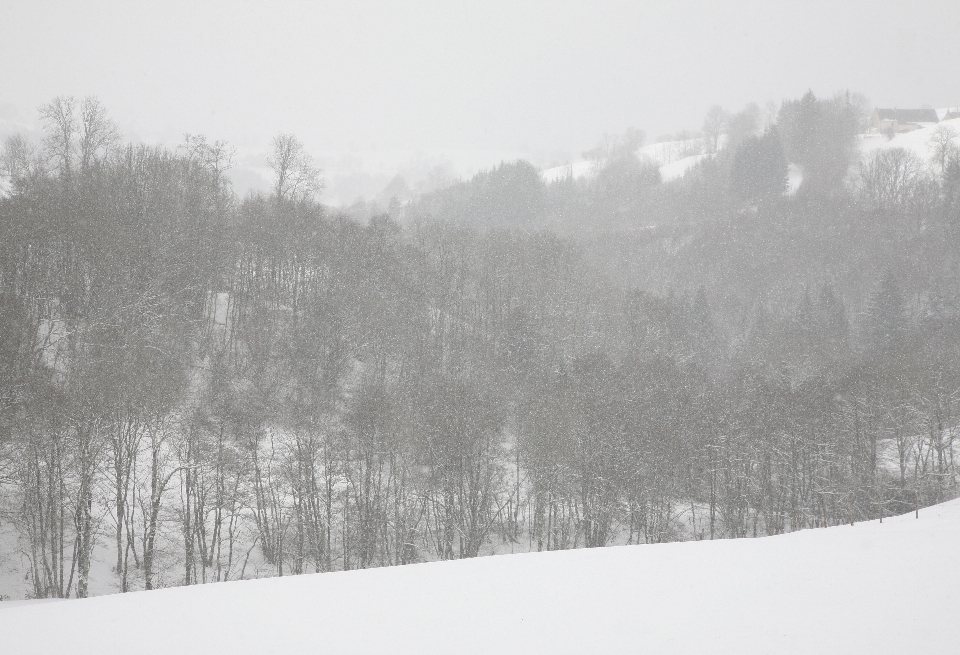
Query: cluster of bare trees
[898, 181]
[195, 388]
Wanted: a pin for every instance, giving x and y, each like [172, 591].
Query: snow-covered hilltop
[919, 141]
[871, 588]
[675, 158]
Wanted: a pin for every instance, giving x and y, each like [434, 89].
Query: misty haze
[613, 329]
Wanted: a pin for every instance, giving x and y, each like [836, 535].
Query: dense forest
[196, 387]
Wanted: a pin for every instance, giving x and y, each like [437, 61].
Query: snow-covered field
[870, 588]
[677, 169]
[576, 171]
[674, 158]
[917, 141]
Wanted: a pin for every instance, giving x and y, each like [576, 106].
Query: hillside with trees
[197, 387]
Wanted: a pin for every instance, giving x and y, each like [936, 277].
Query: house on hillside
[896, 121]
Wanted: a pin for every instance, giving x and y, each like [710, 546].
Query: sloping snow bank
[674, 158]
[917, 141]
[677, 169]
[668, 152]
[794, 179]
[576, 171]
[873, 588]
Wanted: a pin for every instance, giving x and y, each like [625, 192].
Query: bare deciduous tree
[889, 177]
[714, 123]
[943, 142]
[60, 123]
[296, 176]
[19, 161]
[98, 133]
[214, 156]
[78, 134]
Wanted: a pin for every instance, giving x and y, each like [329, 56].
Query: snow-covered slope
[576, 171]
[668, 152]
[794, 179]
[917, 141]
[871, 588]
[674, 158]
[677, 169]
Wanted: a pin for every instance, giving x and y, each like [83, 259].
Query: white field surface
[890, 588]
[587, 169]
[677, 169]
[674, 158]
[578, 170]
[917, 141]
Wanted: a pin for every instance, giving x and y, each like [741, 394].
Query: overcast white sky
[537, 77]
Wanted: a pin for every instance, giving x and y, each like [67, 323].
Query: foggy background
[379, 88]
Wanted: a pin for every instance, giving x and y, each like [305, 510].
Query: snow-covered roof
[927, 115]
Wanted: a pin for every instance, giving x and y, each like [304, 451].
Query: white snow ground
[576, 171]
[871, 588]
[794, 179]
[674, 158]
[917, 141]
[677, 169]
